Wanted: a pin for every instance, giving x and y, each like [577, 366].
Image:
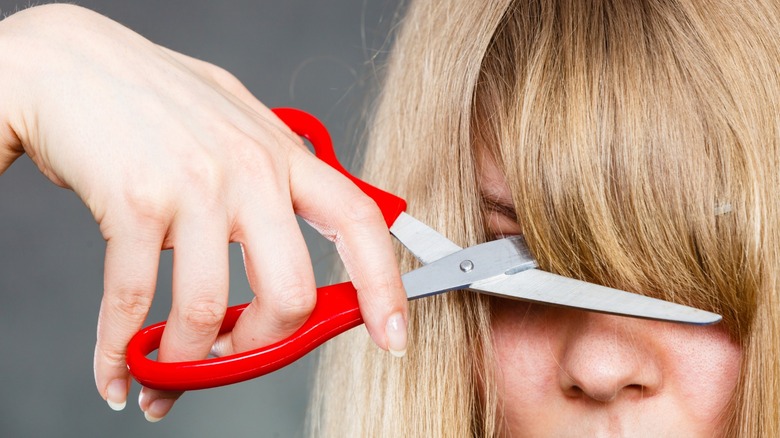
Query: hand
[171, 152]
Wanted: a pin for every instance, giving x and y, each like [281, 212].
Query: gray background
[314, 55]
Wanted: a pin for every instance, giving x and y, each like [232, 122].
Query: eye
[501, 220]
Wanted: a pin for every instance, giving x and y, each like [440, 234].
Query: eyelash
[490, 206]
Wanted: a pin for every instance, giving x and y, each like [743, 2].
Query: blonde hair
[641, 143]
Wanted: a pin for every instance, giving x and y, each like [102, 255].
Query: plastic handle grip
[307, 126]
[336, 310]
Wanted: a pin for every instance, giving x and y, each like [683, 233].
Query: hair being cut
[641, 142]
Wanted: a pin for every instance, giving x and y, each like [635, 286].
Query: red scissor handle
[336, 310]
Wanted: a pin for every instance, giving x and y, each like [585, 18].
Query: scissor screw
[466, 265]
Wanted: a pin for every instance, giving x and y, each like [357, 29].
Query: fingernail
[158, 409]
[396, 334]
[116, 394]
[217, 348]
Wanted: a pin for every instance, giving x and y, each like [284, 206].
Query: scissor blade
[544, 287]
[424, 242]
[464, 267]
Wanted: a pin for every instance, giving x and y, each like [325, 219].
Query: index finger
[341, 212]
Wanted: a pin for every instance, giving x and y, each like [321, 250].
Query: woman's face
[565, 372]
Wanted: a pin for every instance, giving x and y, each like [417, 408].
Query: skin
[169, 152]
[571, 373]
[158, 172]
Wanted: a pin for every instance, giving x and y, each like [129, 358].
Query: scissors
[502, 267]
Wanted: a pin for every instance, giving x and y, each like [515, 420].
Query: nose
[607, 357]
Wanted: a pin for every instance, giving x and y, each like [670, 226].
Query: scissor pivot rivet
[466, 265]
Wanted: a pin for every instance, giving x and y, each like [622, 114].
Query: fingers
[130, 276]
[323, 196]
[200, 296]
[276, 259]
[279, 272]
[282, 279]
[200, 288]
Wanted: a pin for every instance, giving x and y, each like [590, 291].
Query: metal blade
[544, 287]
[427, 244]
[464, 267]
[505, 268]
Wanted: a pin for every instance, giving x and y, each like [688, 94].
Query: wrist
[28, 65]
[17, 82]
[10, 85]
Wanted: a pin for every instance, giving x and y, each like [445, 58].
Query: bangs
[627, 136]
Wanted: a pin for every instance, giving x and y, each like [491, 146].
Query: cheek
[699, 369]
[525, 366]
[706, 371]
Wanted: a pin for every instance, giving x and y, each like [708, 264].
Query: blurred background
[322, 57]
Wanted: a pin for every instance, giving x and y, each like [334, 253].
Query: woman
[636, 145]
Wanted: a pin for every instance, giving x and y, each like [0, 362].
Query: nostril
[636, 391]
[628, 392]
[604, 363]
[577, 392]
[573, 391]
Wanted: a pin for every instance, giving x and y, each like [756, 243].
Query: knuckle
[226, 79]
[147, 202]
[259, 162]
[265, 172]
[361, 210]
[131, 302]
[294, 303]
[112, 357]
[203, 315]
[386, 286]
[203, 172]
[296, 143]
[382, 293]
